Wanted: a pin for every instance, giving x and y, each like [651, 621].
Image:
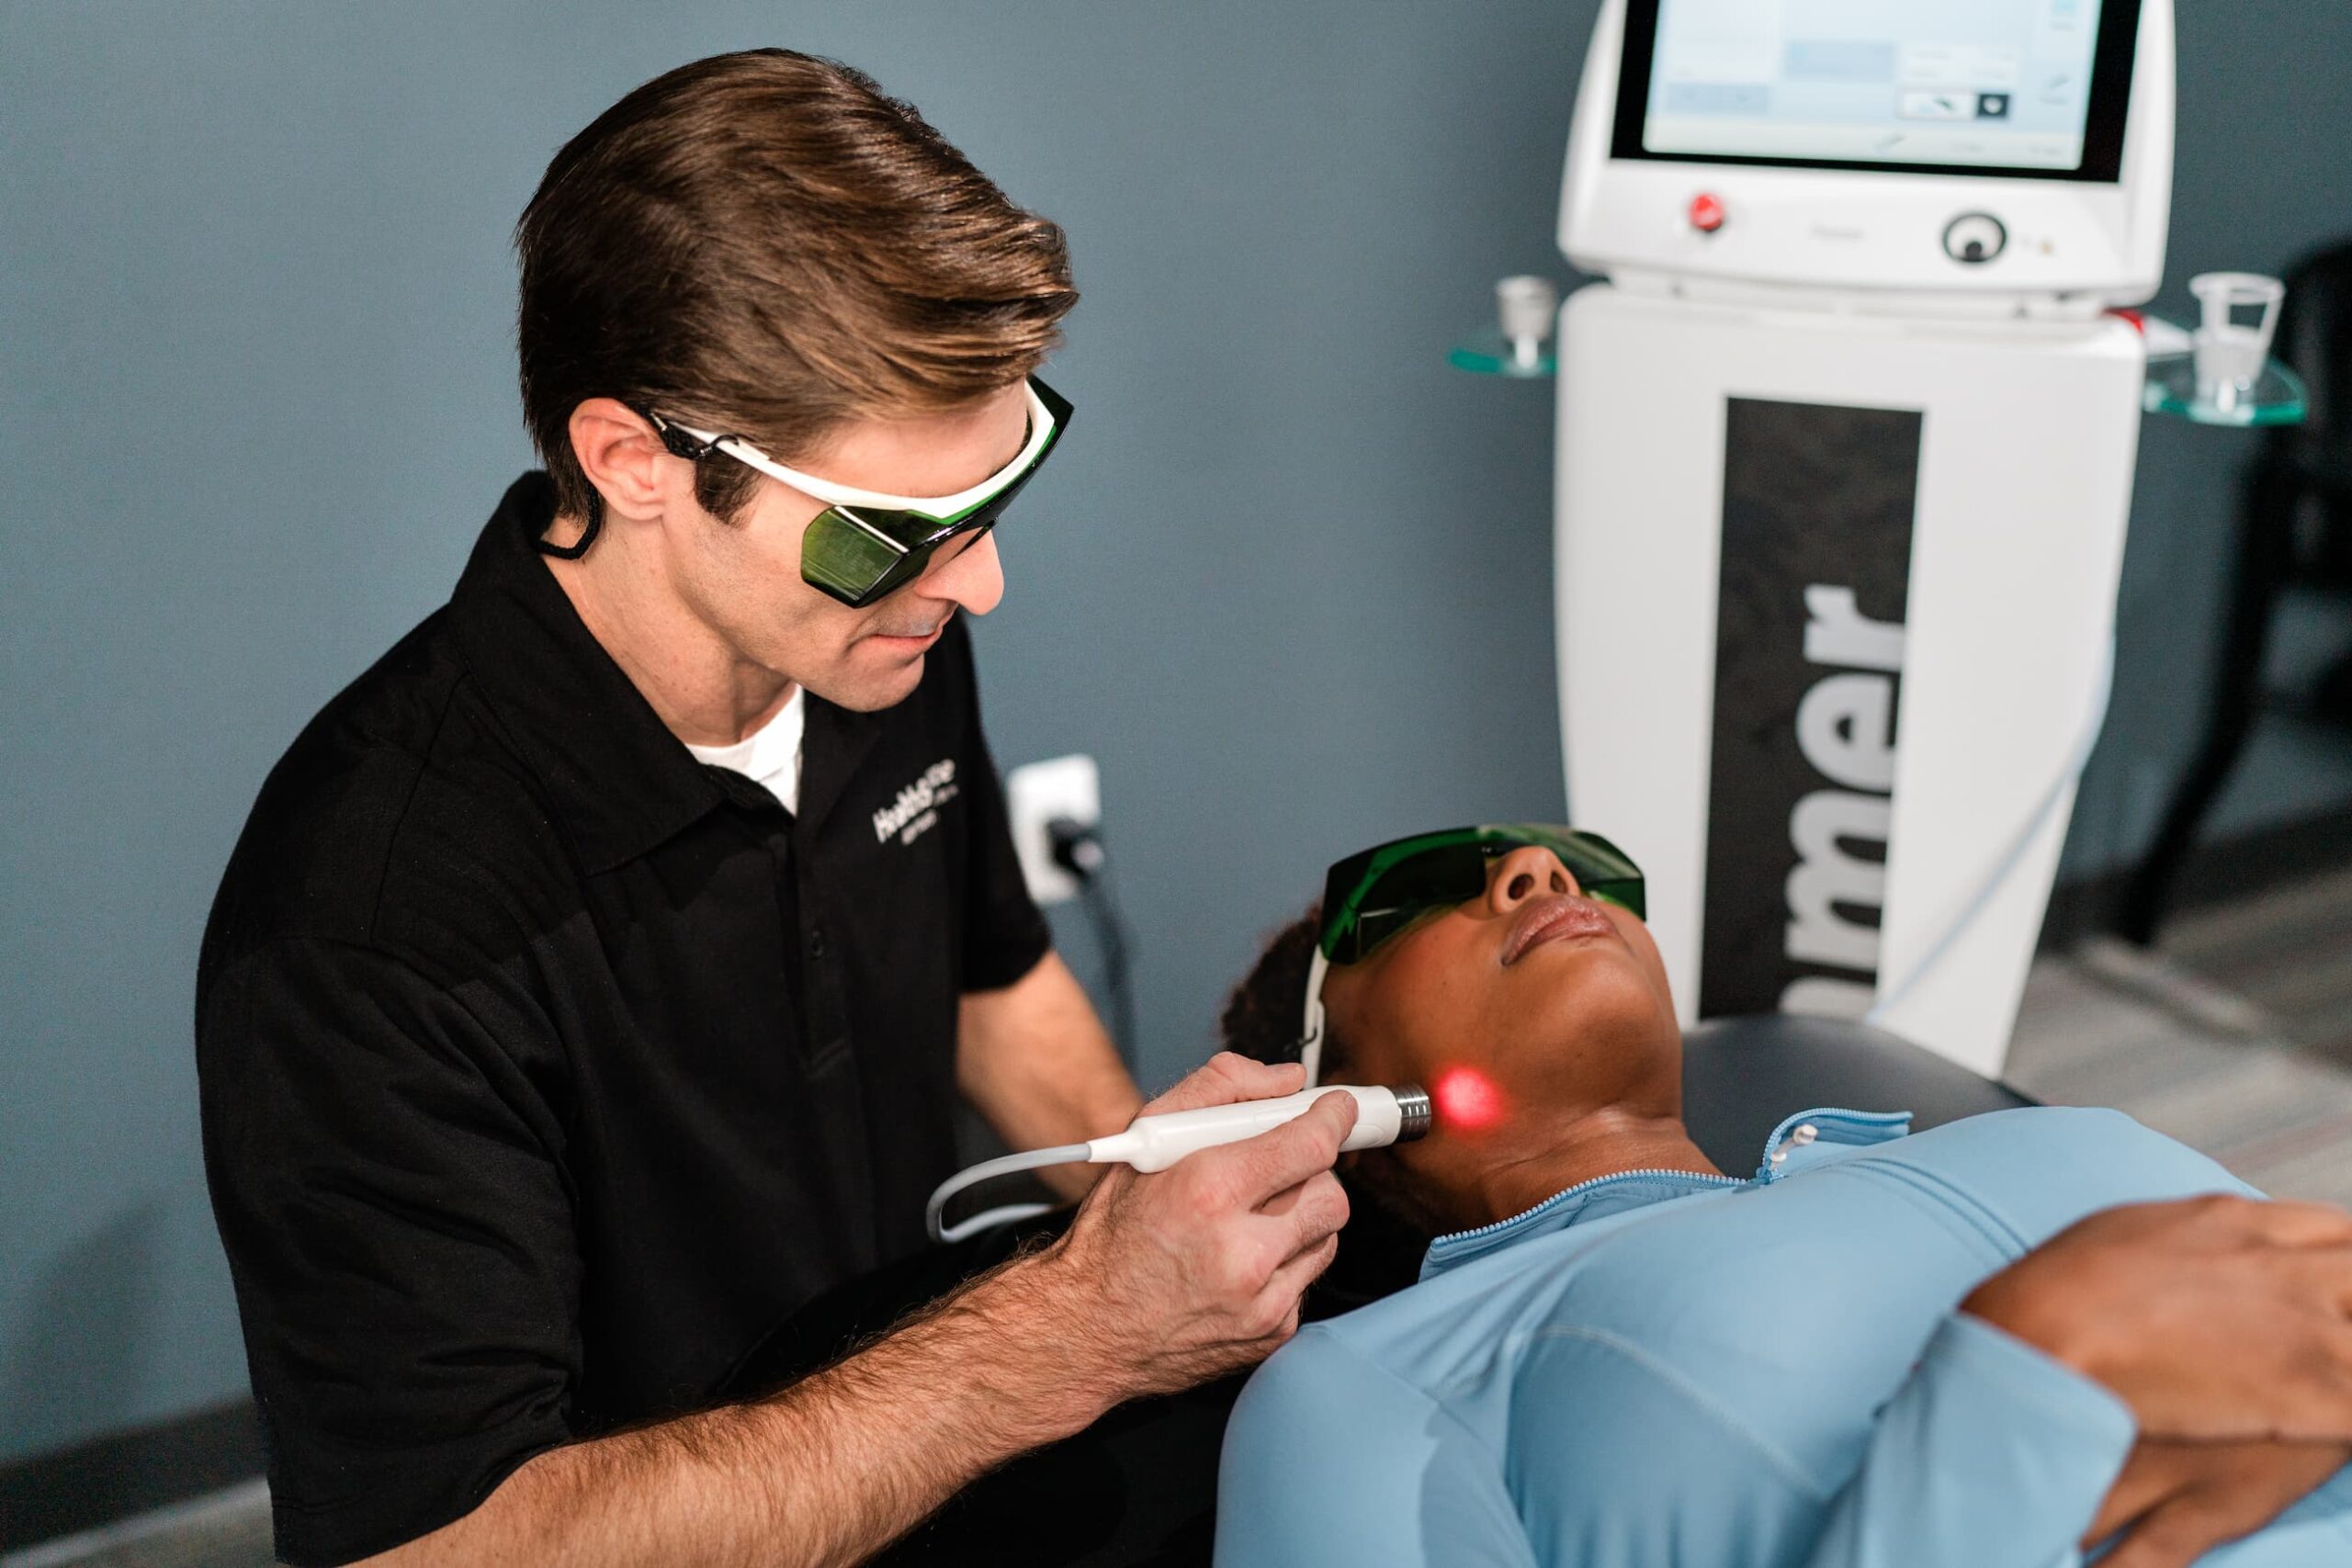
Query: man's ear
[622, 456]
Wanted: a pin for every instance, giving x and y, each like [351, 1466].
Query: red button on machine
[1706, 212]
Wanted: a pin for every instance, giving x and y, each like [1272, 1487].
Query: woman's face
[1529, 998]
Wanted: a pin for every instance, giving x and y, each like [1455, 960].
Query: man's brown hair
[764, 243]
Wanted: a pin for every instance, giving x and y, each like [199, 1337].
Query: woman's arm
[2210, 1319]
[1991, 1455]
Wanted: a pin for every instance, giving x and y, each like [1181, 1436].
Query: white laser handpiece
[1154, 1142]
[1384, 1116]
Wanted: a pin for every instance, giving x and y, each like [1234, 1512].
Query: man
[594, 979]
[1880, 1350]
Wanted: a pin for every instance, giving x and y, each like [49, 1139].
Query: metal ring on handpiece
[1413, 1112]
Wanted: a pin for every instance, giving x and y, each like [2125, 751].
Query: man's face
[1528, 1001]
[742, 579]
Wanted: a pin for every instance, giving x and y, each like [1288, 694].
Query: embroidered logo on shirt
[916, 811]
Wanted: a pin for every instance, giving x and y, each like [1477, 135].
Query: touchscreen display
[2007, 85]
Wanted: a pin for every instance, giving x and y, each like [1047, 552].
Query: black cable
[1110, 936]
[1078, 848]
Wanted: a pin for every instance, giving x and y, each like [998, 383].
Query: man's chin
[871, 690]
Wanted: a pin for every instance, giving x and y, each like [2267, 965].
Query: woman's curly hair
[1263, 1015]
[1381, 1249]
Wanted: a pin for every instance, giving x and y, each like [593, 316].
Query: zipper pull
[1799, 1136]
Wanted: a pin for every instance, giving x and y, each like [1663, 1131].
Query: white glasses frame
[939, 508]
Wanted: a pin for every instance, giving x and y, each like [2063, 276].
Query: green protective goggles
[866, 544]
[1376, 892]
[1371, 895]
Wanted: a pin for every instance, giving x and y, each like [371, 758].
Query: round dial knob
[1974, 238]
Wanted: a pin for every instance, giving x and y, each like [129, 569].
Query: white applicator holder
[1384, 1116]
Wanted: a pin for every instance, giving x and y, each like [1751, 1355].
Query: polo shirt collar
[1807, 1139]
[838, 740]
[619, 780]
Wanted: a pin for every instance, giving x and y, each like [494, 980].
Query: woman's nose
[1527, 872]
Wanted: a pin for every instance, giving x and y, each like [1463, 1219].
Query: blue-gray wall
[1291, 584]
[2262, 175]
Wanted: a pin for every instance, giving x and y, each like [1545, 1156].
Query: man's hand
[1160, 1283]
[2175, 1501]
[2214, 1318]
[1197, 1272]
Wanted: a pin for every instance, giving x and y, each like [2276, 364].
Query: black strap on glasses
[676, 441]
[587, 535]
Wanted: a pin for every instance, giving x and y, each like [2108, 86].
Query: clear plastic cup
[1527, 304]
[2233, 338]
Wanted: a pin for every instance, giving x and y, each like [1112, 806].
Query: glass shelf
[2276, 398]
[1486, 353]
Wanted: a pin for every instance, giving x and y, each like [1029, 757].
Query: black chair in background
[2294, 524]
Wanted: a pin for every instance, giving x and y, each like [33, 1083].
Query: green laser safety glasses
[1371, 895]
[1376, 892]
[866, 544]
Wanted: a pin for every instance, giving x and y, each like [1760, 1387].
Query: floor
[226, 1530]
[2289, 954]
[2107, 1025]
[2236, 1039]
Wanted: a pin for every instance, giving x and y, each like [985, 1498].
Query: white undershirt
[770, 755]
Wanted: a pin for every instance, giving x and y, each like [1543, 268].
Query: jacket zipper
[1567, 1192]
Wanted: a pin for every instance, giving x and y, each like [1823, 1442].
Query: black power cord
[1078, 850]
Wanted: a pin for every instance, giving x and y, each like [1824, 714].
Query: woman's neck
[1523, 1168]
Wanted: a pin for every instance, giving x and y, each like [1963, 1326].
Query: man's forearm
[825, 1472]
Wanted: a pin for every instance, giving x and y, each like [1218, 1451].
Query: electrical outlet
[1036, 795]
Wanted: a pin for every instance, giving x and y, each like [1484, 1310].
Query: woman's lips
[1561, 917]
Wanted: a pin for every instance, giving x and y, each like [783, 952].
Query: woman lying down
[1879, 1348]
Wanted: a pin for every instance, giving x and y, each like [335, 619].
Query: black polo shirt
[544, 1068]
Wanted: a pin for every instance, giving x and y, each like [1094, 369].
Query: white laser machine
[1845, 457]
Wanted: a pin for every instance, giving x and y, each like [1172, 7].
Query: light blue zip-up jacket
[1657, 1368]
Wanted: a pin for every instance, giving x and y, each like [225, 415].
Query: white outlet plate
[1035, 795]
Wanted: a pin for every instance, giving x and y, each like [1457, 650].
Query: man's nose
[973, 579]
[1527, 872]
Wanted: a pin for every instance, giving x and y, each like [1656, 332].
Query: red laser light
[1466, 1099]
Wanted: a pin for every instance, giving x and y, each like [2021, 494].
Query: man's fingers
[1307, 1214]
[1229, 1077]
[1282, 1157]
[1280, 1299]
